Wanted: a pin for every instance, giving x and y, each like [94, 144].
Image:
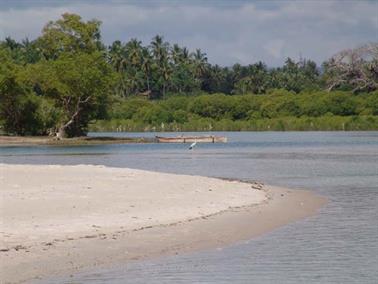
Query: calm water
[339, 245]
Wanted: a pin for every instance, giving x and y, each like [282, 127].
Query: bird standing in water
[193, 145]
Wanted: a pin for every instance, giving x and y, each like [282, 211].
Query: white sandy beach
[58, 219]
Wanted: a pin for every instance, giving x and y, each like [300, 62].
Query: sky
[228, 31]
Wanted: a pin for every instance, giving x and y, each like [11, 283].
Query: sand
[56, 220]
[84, 140]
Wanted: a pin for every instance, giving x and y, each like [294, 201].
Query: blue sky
[228, 31]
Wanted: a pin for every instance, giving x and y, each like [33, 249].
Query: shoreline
[6, 141]
[194, 213]
[15, 141]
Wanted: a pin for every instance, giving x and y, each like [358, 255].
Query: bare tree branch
[356, 68]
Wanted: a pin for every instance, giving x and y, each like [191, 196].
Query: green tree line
[277, 110]
[67, 79]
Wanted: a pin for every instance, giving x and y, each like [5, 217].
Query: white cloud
[244, 33]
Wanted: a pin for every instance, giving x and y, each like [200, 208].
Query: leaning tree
[73, 73]
[79, 86]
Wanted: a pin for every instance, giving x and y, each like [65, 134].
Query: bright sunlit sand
[56, 219]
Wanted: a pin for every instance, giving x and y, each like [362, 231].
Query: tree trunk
[62, 131]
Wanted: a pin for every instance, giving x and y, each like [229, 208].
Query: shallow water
[339, 245]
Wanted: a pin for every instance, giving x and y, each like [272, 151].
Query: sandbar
[58, 219]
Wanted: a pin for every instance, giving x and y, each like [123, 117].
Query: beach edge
[216, 230]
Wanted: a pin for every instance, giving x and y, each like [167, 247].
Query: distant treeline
[68, 78]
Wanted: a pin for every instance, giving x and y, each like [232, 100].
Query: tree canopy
[67, 77]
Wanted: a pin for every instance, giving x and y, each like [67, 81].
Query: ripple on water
[339, 245]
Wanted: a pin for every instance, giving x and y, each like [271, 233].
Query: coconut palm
[134, 52]
[146, 65]
[117, 56]
[159, 50]
[200, 62]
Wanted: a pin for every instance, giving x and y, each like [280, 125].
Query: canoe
[191, 139]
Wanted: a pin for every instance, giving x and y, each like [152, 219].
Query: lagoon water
[339, 245]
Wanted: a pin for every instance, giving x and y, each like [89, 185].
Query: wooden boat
[191, 139]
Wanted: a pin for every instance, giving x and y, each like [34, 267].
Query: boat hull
[192, 139]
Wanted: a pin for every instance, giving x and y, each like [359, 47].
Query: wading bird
[193, 145]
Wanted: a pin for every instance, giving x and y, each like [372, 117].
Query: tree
[295, 76]
[117, 56]
[24, 52]
[70, 35]
[200, 65]
[22, 111]
[74, 73]
[355, 69]
[146, 66]
[256, 82]
[79, 85]
[218, 79]
[176, 54]
[135, 78]
[159, 50]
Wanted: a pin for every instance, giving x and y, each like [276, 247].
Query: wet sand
[56, 220]
[6, 141]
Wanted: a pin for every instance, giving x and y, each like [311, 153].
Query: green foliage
[22, 53]
[78, 84]
[21, 111]
[14, 102]
[372, 104]
[121, 110]
[214, 106]
[324, 123]
[180, 116]
[70, 35]
[154, 114]
[279, 110]
[67, 78]
[63, 89]
[254, 79]
[296, 76]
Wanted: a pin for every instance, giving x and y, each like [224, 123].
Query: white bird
[193, 145]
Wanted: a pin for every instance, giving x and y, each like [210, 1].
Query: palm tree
[176, 53]
[118, 59]
[117, 56]
[134, 52]
[134, 56]
[200, 62]
[166, 72]
[31, 54]
[146, 65]
[159, 50]
[184, 54]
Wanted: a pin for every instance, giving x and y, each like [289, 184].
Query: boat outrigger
[192, 139]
